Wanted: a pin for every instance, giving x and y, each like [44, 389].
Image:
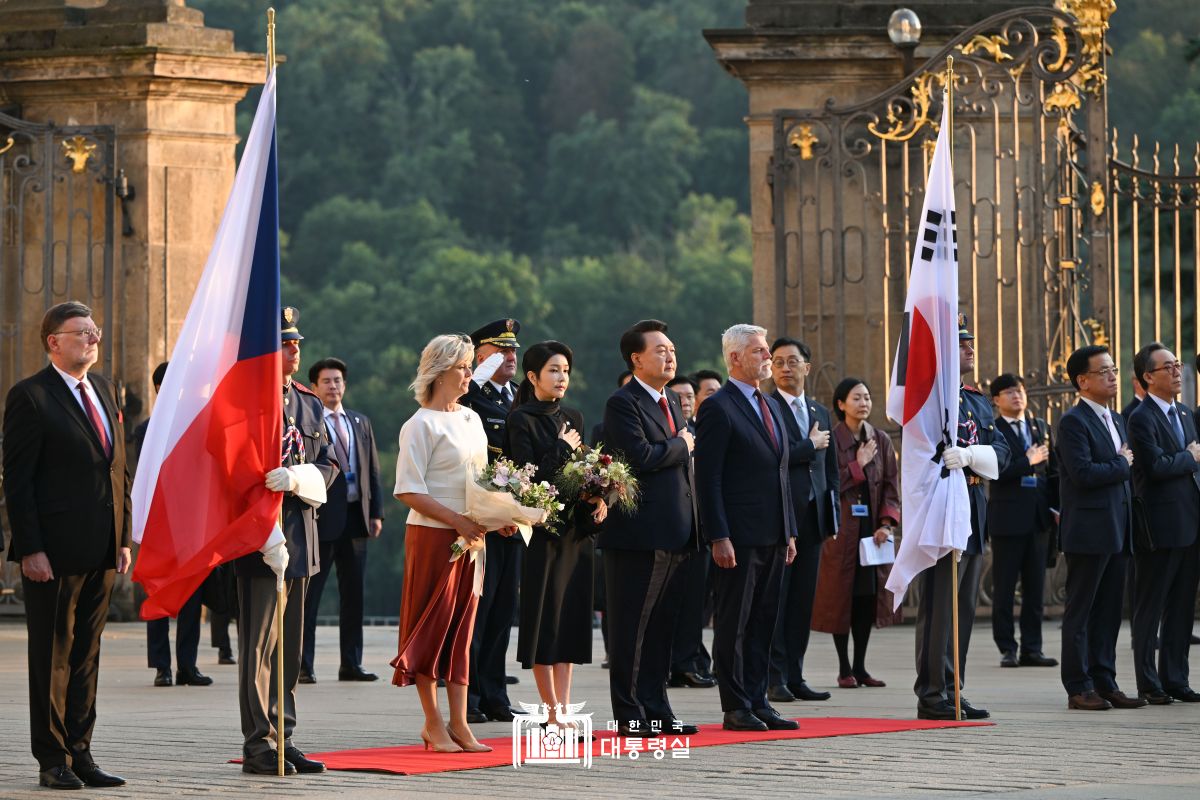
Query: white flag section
[923, 396]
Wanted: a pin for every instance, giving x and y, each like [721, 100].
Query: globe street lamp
[904, 29]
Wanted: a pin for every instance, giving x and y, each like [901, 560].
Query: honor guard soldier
[981, 453]
[491, 396]
[288, 559]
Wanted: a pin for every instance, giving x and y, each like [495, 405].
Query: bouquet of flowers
[505, 494]
[593, 473]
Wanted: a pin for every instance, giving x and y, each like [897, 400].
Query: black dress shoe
[743, 720]
[802, 691]
[672, 727]
[1037, 660]
[59, 777]
[499, 714]
[511, 680]
[190, 676]
[772, 720]
[604, 664]
[1157, 697]
[1120, 700]
[692, 680]
[1195, 639]
[1185, 694]
[266, 763]
[475, 716]
[301, 762]
[1009, 659]
[163, 678]
[225, 656]
[307, 677]
[942, 709]
[971, 712]
[98, 778]
[780, 694]
[634, 729]
[355, 673]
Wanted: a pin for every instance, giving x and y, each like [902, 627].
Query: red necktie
[89, 408]
[662, 403]
[766, 416]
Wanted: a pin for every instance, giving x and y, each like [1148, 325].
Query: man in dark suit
[187, 623]
[1166, 481]
[287, 559]
[690, 660]
[645, 550]
[813, 471]
[744, 490]
[1094, 467]
[491, 395]
[599, 602]
[353, 511]
[1139, 394]
[981, 453]
[1020, 522]
[67, 489]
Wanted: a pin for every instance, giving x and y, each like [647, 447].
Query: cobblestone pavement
[174, 742]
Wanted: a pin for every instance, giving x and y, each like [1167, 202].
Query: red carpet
[414, 760]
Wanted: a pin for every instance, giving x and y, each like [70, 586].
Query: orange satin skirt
[437, 609]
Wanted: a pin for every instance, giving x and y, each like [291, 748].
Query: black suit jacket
[743, 482]
[1129, 408]
[1016, 510]
[1093, 485]
[65, 498]
[636, 429]
[301, 408]
[810, 468]
[1165, 476]
[331, 519]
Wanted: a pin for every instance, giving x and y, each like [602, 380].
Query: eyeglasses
[86, 333]
[793, 363]
[1107, 371]
[1173, 366]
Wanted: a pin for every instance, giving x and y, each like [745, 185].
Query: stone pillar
[170, 86]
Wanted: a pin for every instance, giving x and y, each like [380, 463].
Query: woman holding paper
[440, 446]
[556, 574]
[851, 597]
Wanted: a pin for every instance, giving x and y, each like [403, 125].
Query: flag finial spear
[270, 40]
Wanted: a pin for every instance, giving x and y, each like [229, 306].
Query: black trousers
[645, 590]
[935, 626]
[494, 620]
[65, 618]
[1164, 594]
[747, 606]
[1016, 557]
[793, 626]
[348, 555]
[688, 653]
[1091, 621]
[187, 637]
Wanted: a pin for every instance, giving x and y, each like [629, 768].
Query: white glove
[485, 371]
[276, 557]
[956, 457]
[281, 479]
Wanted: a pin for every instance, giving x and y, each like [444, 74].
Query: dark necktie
[666, 409]
[89, 408]
[505, 397]
[1173, 415]
[1023, 434]
[766, 418]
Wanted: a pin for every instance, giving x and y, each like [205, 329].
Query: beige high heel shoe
[468, 747]
[440, 748]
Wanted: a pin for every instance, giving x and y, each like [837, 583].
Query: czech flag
[923, 395]
[199, 497]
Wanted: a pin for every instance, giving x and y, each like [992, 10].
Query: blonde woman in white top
[439, 445]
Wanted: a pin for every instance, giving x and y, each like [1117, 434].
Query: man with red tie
[67, 490]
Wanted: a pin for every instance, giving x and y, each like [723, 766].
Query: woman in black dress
[556, 574]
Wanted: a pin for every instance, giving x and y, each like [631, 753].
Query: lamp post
[904, 29]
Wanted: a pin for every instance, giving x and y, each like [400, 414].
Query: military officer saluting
[981, 452]
[491, 396]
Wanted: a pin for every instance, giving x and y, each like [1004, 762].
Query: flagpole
[955, 555]
[280, 736]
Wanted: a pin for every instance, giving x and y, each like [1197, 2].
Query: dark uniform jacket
[65, 497]
[488, 403]
[302, 409]
[976, 426]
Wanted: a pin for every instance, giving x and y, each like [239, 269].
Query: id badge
[858, 510]
[1029, 482]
